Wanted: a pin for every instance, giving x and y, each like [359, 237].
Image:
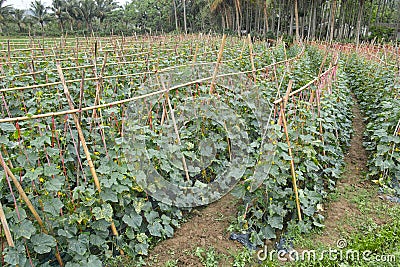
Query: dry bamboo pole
[83, 141]
[184, 165]
[294, 181]
[99, 79]
[251, 57]
[79, 129]
[195, 53]
[71, 111]
[8, 51]
[220, 54]
[285, 101]
[28, 203]
[7, 232]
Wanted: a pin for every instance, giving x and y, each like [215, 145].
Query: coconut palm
[60, 11]
[39, 13]
[103, 8]
[19, 18]
[87, 11]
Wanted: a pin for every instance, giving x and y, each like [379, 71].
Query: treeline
[351, 20]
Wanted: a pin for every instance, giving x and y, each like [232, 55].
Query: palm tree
[5, 13]
[59, 8]
[359, 18]
[221, 6]
[296, 13]
[74, 13]
[19, 18]
[103, 8]
[87, 11]
[39, 13]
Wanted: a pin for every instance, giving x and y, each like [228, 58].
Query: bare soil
[207, 228]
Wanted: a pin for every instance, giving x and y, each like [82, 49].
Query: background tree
[87, 12]
[39, 13]
[19, 18]
[104, 8]
[60, 11]
[5, 13]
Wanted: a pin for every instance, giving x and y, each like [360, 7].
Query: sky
[24, 4]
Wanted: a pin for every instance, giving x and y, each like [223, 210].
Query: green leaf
[133, 220]
[141, 248]
[15, 255]
[109, 195]
[55, 184]
[51, 170]
[98, 239]
[52, 205]
[24, 229]
[151, 216]
[68, 232]
[53, 151]
[275, 222]
[105, 212]
[169, 231]
[43, 243]
[40, 141]
[104, 169]
[155, 229]
[93, 261]
[79, 245]
[33, 174]
[7, 127]
[268, 232]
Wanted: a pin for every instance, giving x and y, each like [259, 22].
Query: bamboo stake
[294, 181]
[285, 100]
[5, 227]
[185, 168]
[79, 129]
[8, 51]
[220, 54]
[97, 78]
[251, 57]
[28, 203]
[195, 53]
[98, 85]
[83, 141]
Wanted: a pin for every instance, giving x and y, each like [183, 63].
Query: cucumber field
[198, 150]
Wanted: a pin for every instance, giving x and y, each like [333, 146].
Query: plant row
[377, 88]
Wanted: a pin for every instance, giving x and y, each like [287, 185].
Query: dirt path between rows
[206, 228]
[339, 211]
